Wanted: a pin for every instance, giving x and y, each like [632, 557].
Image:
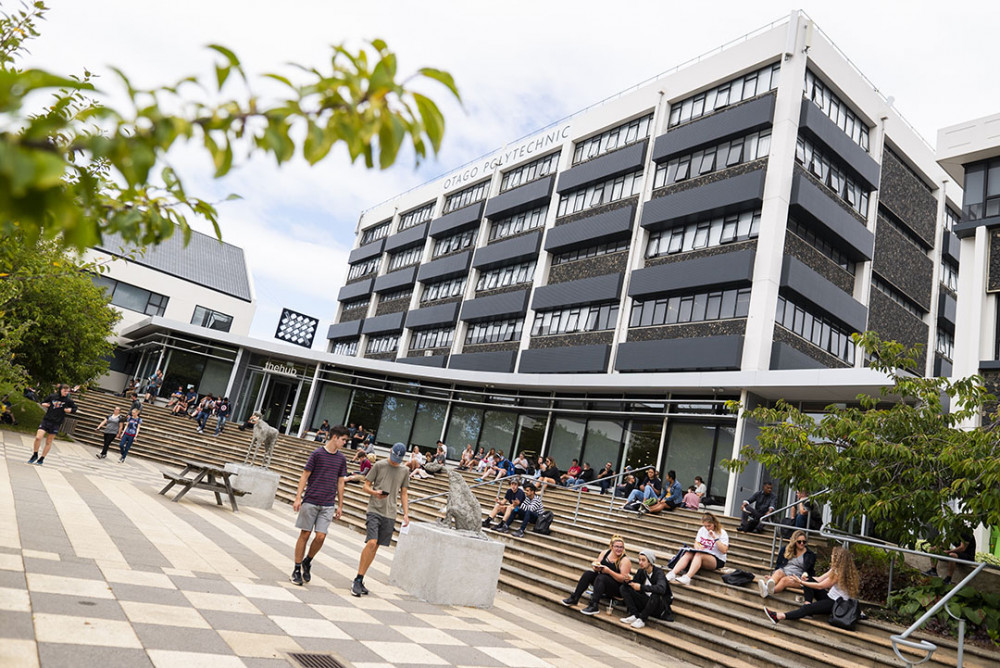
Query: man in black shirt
[56, 406]
[761, 503]
[647, 594]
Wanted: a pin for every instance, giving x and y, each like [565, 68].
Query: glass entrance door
[278, 401]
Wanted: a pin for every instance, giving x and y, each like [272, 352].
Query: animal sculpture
[462, 512]
[264, 436]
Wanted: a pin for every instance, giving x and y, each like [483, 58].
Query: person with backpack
[647, 594]
[608, 572]
[841, 582]
[532, 510]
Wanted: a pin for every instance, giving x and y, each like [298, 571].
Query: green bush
[981, 610]
[873, 572]
[27, 413]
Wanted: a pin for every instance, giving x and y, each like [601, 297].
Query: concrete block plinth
[447, 567]
[260, 485]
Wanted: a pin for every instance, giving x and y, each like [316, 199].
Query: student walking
[319, 500]
[57, 406]
[384, 481]
[129, 434]
[112, 426]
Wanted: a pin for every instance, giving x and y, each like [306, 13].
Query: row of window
[949, 276]
[836, 110]
[945, 344]
[455, 242]
[450, 287]
[818, 330]
[432, 338]
[895, 295]
[465, 197]
[355, 304]
[981, 191]
[733, 91]
[717, 305]
[533, 171]
[348, 348]
[823, 245]
[591, 318]
[591, 251]
[597, 194]
[402, 293]
[131, 297]
[500, 277]
[363, 268]
[832, 175]
[519, 222]
[494, 331]
[714, 158]
[382, 344]
[415, 217]
[704, 234]
[375, 233]
[609, 140]
[406, 257]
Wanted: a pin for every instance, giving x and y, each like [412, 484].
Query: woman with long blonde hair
[711, 545]
[796, 560]
[841, 582]
[609, 571]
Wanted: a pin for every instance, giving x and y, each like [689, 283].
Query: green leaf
[442, 77]
[432, 119]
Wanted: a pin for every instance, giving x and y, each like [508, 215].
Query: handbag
[738, 578]
[845, 614]
[677, 557]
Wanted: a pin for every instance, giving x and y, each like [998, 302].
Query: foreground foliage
[981, 610]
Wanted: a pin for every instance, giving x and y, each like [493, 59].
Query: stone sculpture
[462, 512]
[264, 436]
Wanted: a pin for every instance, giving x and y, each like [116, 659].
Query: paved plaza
[97, 569]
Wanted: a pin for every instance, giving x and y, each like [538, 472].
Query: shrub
[981, 610]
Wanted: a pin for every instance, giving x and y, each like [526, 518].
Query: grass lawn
[27, 413]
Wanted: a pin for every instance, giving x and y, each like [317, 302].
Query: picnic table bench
[199, 475]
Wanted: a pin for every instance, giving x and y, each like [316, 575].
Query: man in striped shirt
[530, 509]
[322, 501]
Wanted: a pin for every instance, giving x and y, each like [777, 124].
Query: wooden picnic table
[203, 476]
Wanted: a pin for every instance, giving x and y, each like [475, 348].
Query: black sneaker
[502, 528]
[591, 610]
[34, 458]
[364, 589]
[306, 574]
[570, 602]
[771, 615]
[297, 577]
[518, 534]
[357, 589]
[41, 460]
[487, 522]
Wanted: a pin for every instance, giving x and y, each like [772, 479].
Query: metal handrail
[778, 525]
[579, 491]
[475, 486]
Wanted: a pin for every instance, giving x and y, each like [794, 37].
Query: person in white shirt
[711, 546]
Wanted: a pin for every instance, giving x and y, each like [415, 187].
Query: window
[403, 293]
[132, 297]
[591, 251]
[713, 158]
[704, 234]
[512, 274]
[832, 176]
[531, 172]
[617, 137]
[945, 344]
[817, 330]
[415, 217]
[464, 198]
[836, 110]
[432, 338]
[348, 347]
[355, 304]
[382, 344]
[981, 195]
[950, 219]
[597, 194]
[455, 242]
[717, 305]
[452, 287]
[519, 222]
[363, 268]
[592, 318]
[823, 245]
[494, 331]
[406, 257]
[380, 231]
[895, 295]
[206, 317]
[723, 95]
[949, 276]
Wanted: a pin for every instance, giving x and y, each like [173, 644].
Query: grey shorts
[379, 527]
[315, 518]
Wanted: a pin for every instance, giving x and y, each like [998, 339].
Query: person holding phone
[386, 479]
[607, 573]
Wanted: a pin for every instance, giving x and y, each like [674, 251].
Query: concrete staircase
[716, 624]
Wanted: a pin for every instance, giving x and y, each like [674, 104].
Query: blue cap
[397, 453]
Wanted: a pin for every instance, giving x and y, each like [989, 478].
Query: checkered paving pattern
[97, 569]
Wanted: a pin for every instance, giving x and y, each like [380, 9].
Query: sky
[519, 66]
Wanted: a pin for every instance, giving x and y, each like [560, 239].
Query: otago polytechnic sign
[505, 156]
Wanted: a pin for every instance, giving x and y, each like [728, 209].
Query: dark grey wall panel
[439, 361]
[605, 167]
[524, 197]
[496, 306]
[809, 199]
[704, 272]
[951, 248]
[819, 125]
[739, 120]
[711, 352]
[373, 249]
[344, 330]
[384, 324]
[967, 228]
[431, 316]
[397, 279]
[584, 291]
[406, 238]
[568, 359]
[942, 367]
[799, 279]
[524, 247]
[610, 225]
[355, 290]
[783, 356]
[456, 221]
[502, 361]
[947, 308]
[712, 199]
[445, 267]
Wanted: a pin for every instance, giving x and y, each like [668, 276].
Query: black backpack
[544, 522]
[738, 578]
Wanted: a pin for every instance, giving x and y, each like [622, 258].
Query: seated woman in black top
[795, 561]
[611, 569]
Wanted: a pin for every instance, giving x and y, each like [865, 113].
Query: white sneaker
[770, 587]
[671, 576]
[684, 580]
[628, 620]
[637, 624]
[763, 588]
